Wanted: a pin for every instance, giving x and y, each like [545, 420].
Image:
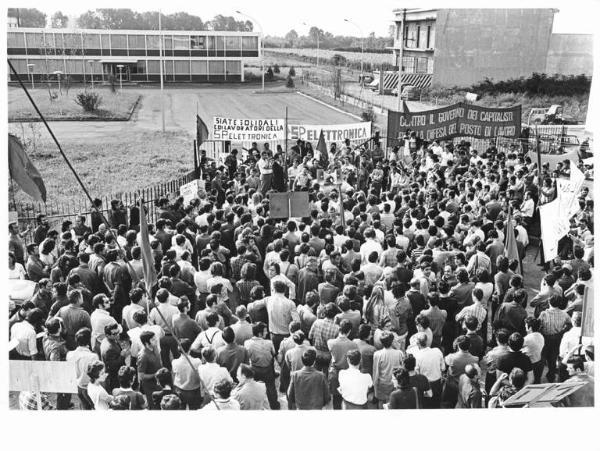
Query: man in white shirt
[370, 245]
[23, 335]
[570, 339]
[527, 208]
[354, 385]
[82, 356]
[166, 310]
[430, 363]
[211, 372]
[265, 166]
[141, 318]
[100, 318]
[211, 337]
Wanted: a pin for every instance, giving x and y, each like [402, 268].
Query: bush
[368, 115]
[276, 69]
[292, 72]
[290, 82]
[89, 101]
[339, 60]
[537, 84]
[269, 74]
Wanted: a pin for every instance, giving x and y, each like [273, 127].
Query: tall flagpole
[162, 97]
[285, 156]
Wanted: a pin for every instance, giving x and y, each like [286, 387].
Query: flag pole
[285, 156]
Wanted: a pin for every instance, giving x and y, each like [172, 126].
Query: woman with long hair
[376, 314]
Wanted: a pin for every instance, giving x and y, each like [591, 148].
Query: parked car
[409, 92]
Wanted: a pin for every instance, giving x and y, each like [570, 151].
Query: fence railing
[58, 212]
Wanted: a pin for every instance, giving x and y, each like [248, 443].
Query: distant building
[461, 47]
[188, 56]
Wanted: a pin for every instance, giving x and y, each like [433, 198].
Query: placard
[190, 191]
[587, 313]
[45, 376]
[292, 204]
[230, 129]
[331, 133]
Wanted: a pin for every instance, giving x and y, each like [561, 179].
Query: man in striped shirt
[553, 324]
[324, 329]
[476, 309]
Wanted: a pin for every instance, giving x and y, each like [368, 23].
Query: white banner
[331, 133]
[228, 129]
[568, 204]
[550, 229]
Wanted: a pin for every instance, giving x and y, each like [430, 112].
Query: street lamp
[120, 67]
[30, 70]
[304, 23]
[362, 49]
[262, 56]
[92, 71]
[58, 73]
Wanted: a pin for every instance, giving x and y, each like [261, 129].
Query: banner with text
[228, 129]
[331, 133]
[461, 119]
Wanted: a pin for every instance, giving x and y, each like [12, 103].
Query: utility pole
[162, 97]
[400, 55]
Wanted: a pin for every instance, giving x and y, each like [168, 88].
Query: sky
[279, 17]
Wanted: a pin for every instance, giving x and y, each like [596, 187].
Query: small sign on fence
[190, 191]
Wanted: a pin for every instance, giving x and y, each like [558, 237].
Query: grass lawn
[113, 106]
[120, 162]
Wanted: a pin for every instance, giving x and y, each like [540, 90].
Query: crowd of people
[395, 293]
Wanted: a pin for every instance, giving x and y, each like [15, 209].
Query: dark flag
[322, 147]
[147, 260]
[201, 131]
[23, 172]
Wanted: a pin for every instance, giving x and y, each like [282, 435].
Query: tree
[338, 60]
[289, 82]
[276, 69]
[292, 72]
[316, 33]
[59, 20]
[28, 17]
[291, 37]
[228, 23]
[89, 19]
[269, 74]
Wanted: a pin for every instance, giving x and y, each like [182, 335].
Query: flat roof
[164, 32]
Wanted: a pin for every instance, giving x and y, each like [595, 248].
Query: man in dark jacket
[308, 388]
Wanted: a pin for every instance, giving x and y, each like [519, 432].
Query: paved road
[182, 104]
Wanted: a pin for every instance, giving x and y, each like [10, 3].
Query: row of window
[418, 35]
[85, 41]
[417, 65]
[177, 67]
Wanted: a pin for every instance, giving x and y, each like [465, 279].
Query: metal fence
[57, 212]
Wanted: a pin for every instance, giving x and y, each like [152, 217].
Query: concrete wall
[472, 44]
[571, 54]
